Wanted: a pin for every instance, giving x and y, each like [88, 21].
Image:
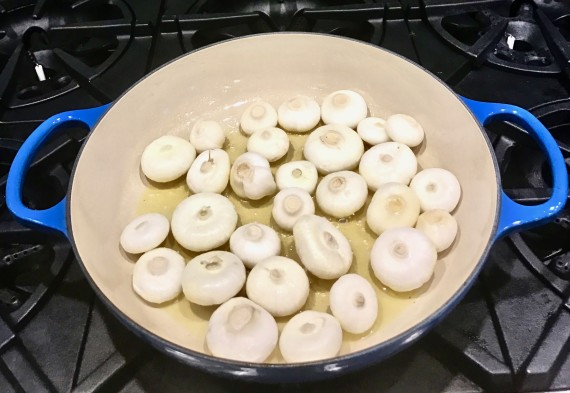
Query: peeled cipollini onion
[279, 285]
[345, 107]
[213, 278]
[437, 188]
[257, 117]
[439, 226]
[210, 172]
[254, 242]
[372, 130]
[333, 148]
[341, 194]
[298, 174]
[393, 205]
[144, 233]
[242, 330]
[310, 336]
[157, 275]
[167, 158]
[388, 162]
[403, 259]
[354, 303]
[271, 143]
[207, 135]
[251, 177]
[323, 249]
[299, 114]
[404, 129]
[289, 205]
[203, 221]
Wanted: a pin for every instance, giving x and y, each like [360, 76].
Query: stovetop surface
[510, 333]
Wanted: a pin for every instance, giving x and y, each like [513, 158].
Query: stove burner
[522, 35]
[47, 52]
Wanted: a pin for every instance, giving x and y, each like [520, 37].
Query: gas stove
[511, 332]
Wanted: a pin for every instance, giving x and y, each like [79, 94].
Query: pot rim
[305, 371]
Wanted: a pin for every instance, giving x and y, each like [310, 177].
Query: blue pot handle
[52, 219]
[514, 216]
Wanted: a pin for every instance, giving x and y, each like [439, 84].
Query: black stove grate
[67, 40]
[96, 47]
[509, 334]
[30, 261]
[518, 35]
[185, 32]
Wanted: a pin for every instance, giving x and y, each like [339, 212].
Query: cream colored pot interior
[217, 83]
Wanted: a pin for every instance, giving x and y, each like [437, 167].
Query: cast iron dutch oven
[219, 79]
